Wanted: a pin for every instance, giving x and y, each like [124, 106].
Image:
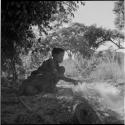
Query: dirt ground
[65, 107]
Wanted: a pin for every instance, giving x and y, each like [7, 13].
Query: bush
[106, 71]
[98, 68]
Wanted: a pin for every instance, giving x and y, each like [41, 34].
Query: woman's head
[58, 54]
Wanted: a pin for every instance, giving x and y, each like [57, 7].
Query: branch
[101, 41]
[120, 47]
[25, 105]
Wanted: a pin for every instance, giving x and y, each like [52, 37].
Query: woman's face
[59, 57]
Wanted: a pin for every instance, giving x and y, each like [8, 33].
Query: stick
[22, 102]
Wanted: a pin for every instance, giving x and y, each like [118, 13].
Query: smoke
[110, 95]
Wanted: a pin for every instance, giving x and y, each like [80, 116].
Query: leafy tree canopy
[81, 38]
[19, 16]
[119, 11]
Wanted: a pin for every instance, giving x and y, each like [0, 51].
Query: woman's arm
[69, 80]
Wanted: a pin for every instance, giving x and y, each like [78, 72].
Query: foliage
[119, 11]
[82, 39]
[67, 38]
[18, 17]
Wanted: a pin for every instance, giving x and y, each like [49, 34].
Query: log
[85, 114]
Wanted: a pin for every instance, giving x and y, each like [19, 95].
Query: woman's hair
[56, 51]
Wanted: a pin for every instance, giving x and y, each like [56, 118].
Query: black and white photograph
[62, 62]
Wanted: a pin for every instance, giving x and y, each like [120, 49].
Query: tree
[119, 11]
[98, 35]
[18, 17]
[82, 39]
[69, 38]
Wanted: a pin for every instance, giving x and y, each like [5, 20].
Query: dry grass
[99, 69]
[108, 71]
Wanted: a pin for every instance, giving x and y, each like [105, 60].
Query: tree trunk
[14, 70]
